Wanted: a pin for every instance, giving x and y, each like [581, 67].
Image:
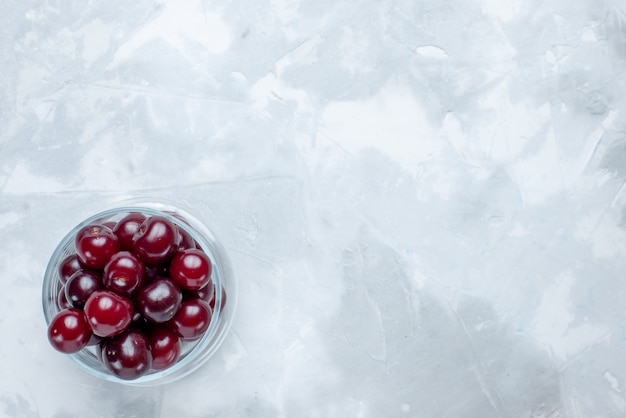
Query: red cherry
[81, 285]
[62, 302]
[165, 346]
[108, 313]
[123, 274]
[185, 240]
[127, 355]
[154, 272]
[95, 244]
[222, 302]
[191, 269]
[155, 240]
[207, 293]
[68, 331]
[68, 266]
[159, 300]
[192, 319]
[126, 228]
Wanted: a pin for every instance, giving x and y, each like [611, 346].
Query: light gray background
[423, 200]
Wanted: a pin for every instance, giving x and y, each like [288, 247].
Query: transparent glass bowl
[194, 353]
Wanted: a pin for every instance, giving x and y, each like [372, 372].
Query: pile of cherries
[136, 290]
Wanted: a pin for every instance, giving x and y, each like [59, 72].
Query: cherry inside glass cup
[140, 294]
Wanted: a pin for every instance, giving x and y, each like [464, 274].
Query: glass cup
[194, 353]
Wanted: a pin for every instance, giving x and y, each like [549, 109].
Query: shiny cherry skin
[192, 319]
[155, 240]
[123, 274]
[126, 228]
[81, 285]
[68, 266]
[222, 301]
[127, 355]
[165, 346]
[191, 269]
[69, 331]
[159, 300]
[108, 313]
[61, 300]
[95, 245]
[185, 240]
[207, 293]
